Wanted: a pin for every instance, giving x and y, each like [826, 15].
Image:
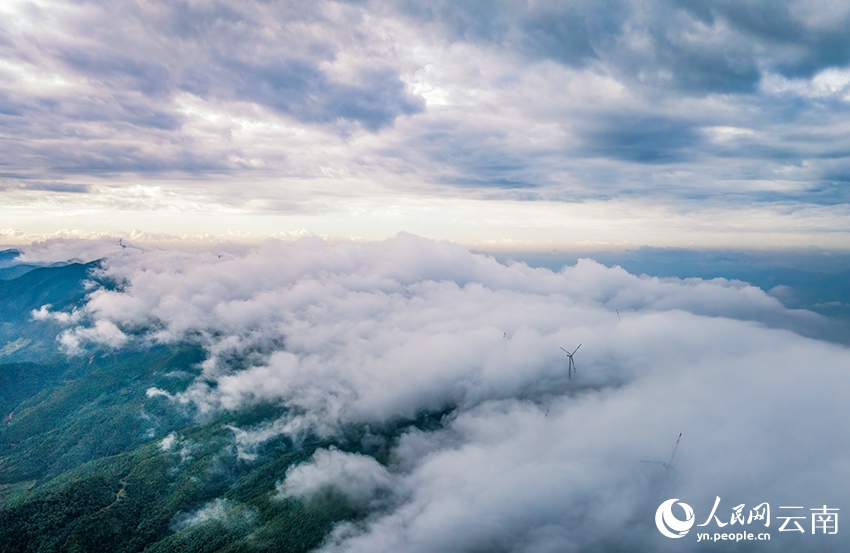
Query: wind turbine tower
[571, 365]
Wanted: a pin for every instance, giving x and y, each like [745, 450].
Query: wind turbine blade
[565, 351]
[674, 449]
[575, 350]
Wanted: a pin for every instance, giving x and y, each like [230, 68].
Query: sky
[501, 125]
[352, 338]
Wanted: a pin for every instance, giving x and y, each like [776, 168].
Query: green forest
[84, 465]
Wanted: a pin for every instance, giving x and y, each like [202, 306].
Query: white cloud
[231, 514]
[829, 82]
[168, 442]
[361, 480]
[44, 313]
[366, 332]
[103, 332]
[351, 335]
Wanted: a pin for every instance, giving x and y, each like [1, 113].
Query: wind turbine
[669, 465]
[124, 246]
[571, 366]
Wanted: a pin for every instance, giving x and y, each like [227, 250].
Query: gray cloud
[710, 47]
[728, 103]
[124, 67]
[806, 46]
[567, 32]
[642, 139]
[238, 54]
[297, 88]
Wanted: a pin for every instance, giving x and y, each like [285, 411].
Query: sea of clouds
[360, 335]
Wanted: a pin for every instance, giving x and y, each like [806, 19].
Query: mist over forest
[434, 276]
[405, 395]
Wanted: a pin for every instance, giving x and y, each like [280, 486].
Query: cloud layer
[363, 336]
[166, 105]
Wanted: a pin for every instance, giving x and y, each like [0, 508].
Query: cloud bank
[717, 108]
[524, 459]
